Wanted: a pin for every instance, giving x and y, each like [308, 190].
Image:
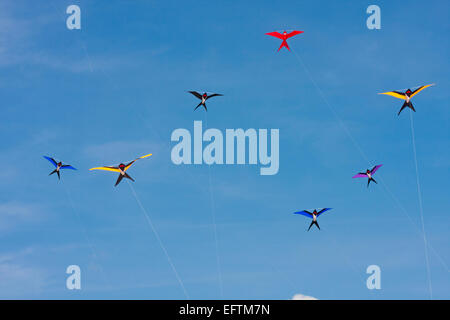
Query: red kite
[284, 36]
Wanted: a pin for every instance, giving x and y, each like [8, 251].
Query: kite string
[68, 192]
[213, 214]
[389, 192]
[150, 223]
[355, 143]
[347, 260]
[419, 192]
[342, 124]
[88, 239]
[135, 195]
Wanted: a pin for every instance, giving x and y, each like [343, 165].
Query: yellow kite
[121, 168]
[407, 95]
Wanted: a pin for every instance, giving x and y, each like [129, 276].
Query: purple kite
[368, 174]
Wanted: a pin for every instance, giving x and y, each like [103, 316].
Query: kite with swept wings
[203, 97]
[368, 174]
[313, 215]
[58, 166]
[407, 95]
[121, 168]
[284, 36]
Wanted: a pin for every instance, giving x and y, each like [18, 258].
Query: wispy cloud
[300, 296]
[16, 279]
[18, 46]
[121, 150]
[12, 213]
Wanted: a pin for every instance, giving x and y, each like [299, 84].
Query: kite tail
[313, 223]
[128, 177]
[198, 106]
[405, 104]
[411, 106]
[284, 44]
[371, 179]
[118, 180]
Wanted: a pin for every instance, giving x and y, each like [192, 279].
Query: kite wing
[51, 160]
[214, 95]
[396, 94]
[360, 175]
[66, 166]
[195, 93]
[322, 211]
[293, 33]
[420, 89]
[114, 169]
[147, 155]
[375, 169]
[304, 213]
[129, 164]
[276, 35]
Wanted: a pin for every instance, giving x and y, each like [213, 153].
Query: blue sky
[116, 89]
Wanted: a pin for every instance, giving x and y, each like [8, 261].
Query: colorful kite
[407, 95]
[284, 36]
[58, 165]
[368, 174]
[313, 215]
[203, 97]
[121, 168]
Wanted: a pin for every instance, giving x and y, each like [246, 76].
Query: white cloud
[122, 150]
[12, 213]
[300, 296]
[18, 278]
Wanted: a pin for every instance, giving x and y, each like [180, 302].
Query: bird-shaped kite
[368, 174]
[58, 166]
[407, 95]
[203, 97]
[314, 215]
[121, 168]
[284, 36]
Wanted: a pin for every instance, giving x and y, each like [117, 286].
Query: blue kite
[312, 215]
[58, 165]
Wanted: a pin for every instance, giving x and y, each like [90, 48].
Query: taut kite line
[407, 95]
[121, 168]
